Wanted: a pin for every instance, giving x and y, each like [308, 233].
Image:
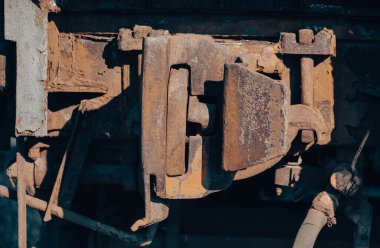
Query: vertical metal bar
[57, 185]
[176, 122]
[21, 194]
[306, 36]
[26, 24]
[139, 64]
[307, 66]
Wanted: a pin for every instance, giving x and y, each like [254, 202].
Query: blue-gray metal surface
[26, 24]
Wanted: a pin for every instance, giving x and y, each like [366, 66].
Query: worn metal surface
[57, 184]
[28, 176]
[205, 58]
[154, 100]
[38, 153]
[156, 210]
[313, 77]
[127, 42]
[132, 40]
[190, 185]
[77, 63]
[254, 118]
[306, 36]
[288, 175]
[176, 121]
[283, 120]
[213, 109]
[301, 117]
[21, 194]
[324, 43]
[95, 48]
[201, 113]
[160, 53]
[26, 24]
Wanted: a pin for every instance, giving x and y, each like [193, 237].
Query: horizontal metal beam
[251, 26]
[315, 7]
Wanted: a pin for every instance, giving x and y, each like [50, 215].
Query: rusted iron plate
[129, 40]
[324, 92]
[154, 105]
[126, 42]
[324, 44]
[155, 77]
[205, 57]
[255, 170]
[206, 60]
[26, 24]
[78, 64]
[176, 122]
[317, 80]
[302, 117]
[140, 31]
[254, 118]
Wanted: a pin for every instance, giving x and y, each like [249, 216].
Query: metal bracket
[256, 123]
[324, 44]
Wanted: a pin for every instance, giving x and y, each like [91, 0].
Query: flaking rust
[201, 111]
[254, 118]
[258, 123]
[26, 24]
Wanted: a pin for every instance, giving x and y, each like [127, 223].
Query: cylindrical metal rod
[21, 194]
[306, 36]
[307, 74]
[135, 240]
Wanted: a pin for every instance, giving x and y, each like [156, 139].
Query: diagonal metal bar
[57, 185]
[134, 240]
[359, 151]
